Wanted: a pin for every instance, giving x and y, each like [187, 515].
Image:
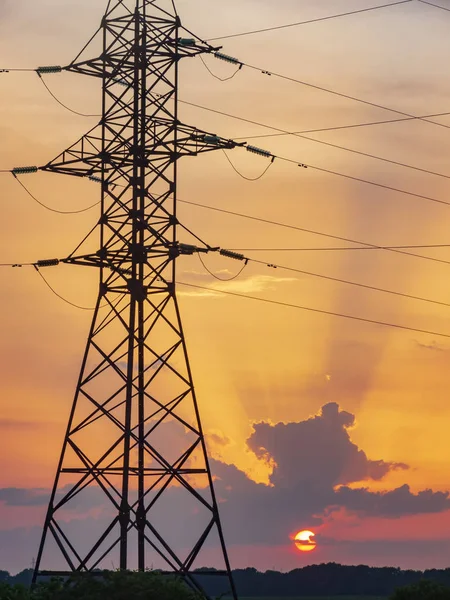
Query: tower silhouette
[134, 444]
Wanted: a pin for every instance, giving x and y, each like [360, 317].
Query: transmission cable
[353, 151]
[335, 93]
[346, 14]
[316, 310]
[216, 76]
[246, 259]
[435, 5]
[329, 171]
[342, 95]
[365, 181]
[235, 169]
[216, 276]
[346, 282]
[62, 103]
[371, 123]
[59, 295]
[338, 248]
[310, 231]
[54, 210]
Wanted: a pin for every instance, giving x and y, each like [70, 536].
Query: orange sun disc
[304, 542]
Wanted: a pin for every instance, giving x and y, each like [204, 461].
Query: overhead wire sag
[216, 276]
[235, 169]
[59, 295]
[75, 112]
[216, 76]
[54, 210]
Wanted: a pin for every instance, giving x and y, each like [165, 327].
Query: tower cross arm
[178, 43]
[86, 158]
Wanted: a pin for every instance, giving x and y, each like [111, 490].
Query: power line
[359, 152]
[346, 282]
[435, 5]
[62, 297]
[282, 132]
[316, 310]
[54, 210]
[17, 265]
[319, 130]
[216, 76]
[346, 14]
[340, 94]
[338, 248]
[236, 170]
[366, 181]
[310, 231]
[61, 103]
[216, 276]
[356, 125]
[17, 70]
[329, 171]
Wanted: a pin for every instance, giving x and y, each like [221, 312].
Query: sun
[304, 541]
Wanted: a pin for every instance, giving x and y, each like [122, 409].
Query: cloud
[314, 462]
[395, 503]
[250, 285]
[318, 450]
[24, 497]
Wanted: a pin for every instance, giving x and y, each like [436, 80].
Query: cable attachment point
[229, 59]
[51, 262]
[212, 139]
[303, 165]
[51, 69]
[260, 152]
[233, 255]
[24, 170]
[189, 42]
[189, 249]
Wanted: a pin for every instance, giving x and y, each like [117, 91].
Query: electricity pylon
[135, 387]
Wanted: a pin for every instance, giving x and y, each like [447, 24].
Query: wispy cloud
[249, 285]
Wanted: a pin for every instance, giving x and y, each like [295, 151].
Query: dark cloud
[316, 450]
[395, 503]
[24, 497]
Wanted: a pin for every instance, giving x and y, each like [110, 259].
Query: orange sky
[257, 362]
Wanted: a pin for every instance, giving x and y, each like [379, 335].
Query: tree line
[329, 579]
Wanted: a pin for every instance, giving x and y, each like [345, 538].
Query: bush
[105, 586]
[424, 590]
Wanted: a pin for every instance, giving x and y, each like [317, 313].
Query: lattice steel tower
[135, 388]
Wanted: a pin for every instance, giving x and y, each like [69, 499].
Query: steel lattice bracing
[135, 387]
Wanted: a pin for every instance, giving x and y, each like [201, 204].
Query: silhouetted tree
[104, 586]
[423, 590]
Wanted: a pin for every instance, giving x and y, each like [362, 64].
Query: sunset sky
[313, 421]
